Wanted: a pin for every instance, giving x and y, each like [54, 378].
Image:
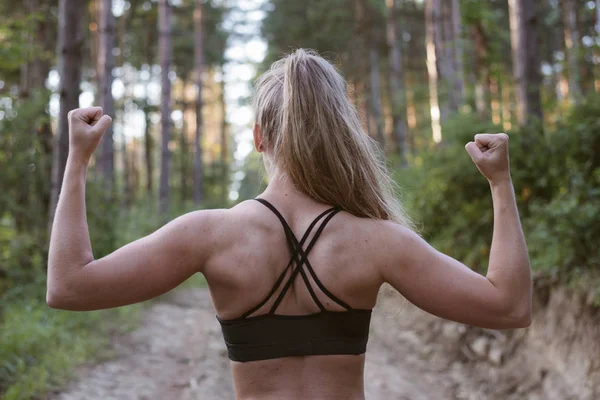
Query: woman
[294, 275]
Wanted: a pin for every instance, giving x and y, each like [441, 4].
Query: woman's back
[317, 156]
[242, 275]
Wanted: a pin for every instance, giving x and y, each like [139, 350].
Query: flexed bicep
[444, 286]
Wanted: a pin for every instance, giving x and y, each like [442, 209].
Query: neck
[280, 185]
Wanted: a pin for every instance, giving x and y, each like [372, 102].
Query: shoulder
[217, 223]
[204, 230]
[393, 245]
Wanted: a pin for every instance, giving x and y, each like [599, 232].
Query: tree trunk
[376, 98]
[127, 191]
[224, 144]
[106, 64]
[526, 64]
[164, 45]
[432, 69]
[572, 46]
[482, 68]
[183, 148]
[447, 62]
[198, 70]
[69, 49]
[129, 185]
[398, 95]
[459, 70]
[148, 145]
[33, 79]
[597, 53]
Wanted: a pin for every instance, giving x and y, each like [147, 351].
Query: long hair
[313, 133]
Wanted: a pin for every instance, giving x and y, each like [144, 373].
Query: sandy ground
[177, 353]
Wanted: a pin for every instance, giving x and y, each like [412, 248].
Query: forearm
[509, 268]
[70, 247]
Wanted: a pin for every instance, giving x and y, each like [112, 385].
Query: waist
[299, 378]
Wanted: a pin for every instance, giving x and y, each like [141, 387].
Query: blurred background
[177, 77]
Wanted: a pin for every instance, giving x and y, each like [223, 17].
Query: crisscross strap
[292, 260]
[300, 256]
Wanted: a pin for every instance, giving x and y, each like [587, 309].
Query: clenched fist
[490, 153]
[86, 127]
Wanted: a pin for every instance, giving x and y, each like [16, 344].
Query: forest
[177, 75]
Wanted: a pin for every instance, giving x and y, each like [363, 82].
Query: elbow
[55, 299]
[524, 320]
[520, 317]
[58, 299]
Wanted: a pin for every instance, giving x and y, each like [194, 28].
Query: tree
[482, 70]
[198, 70]
[430, 43]
[446, 60]
[375, 98]
[526, 65]
[224, 143]
[396, 78]
[459, 84]
[571, 32]
[70, 40]
[106, 64]
[164, 45]
[597, 53]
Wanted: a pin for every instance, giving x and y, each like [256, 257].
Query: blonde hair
[313, 133]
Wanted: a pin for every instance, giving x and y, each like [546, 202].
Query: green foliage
[25, 162]
[40, 347]
[565, 227]
[557, 183]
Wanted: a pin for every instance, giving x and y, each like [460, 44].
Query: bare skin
[241, 252]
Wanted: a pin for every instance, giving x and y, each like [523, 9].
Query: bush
[557, 183]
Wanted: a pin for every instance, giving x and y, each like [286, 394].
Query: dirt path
[178, 353]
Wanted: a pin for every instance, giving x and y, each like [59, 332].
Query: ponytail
[313, 133]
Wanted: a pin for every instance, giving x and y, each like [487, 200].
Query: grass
[40, 348]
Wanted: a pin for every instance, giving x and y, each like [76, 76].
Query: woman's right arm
[447, 288]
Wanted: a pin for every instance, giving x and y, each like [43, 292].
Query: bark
[526, 64]
[397, 83]
[129, 181]
[447, 62]
[361, 61]
[127, 190]
[571, 33]
[459, 82]
[432, 70]
[106, 64]
[224, 144]
[134, 170]
[376, 111]
[33, 79]
[507, 112]
[165, 50]
[148, 146]
[597, 53]
[482, 68]
[183, 148]
[198, 70]
[69, 53]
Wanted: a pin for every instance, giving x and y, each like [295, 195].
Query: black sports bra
[273, 335]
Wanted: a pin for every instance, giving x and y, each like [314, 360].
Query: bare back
[242, 275]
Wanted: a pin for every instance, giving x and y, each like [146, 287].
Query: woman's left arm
[136, 272]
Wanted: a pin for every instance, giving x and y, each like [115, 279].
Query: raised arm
[447, 288]
[136, 272]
